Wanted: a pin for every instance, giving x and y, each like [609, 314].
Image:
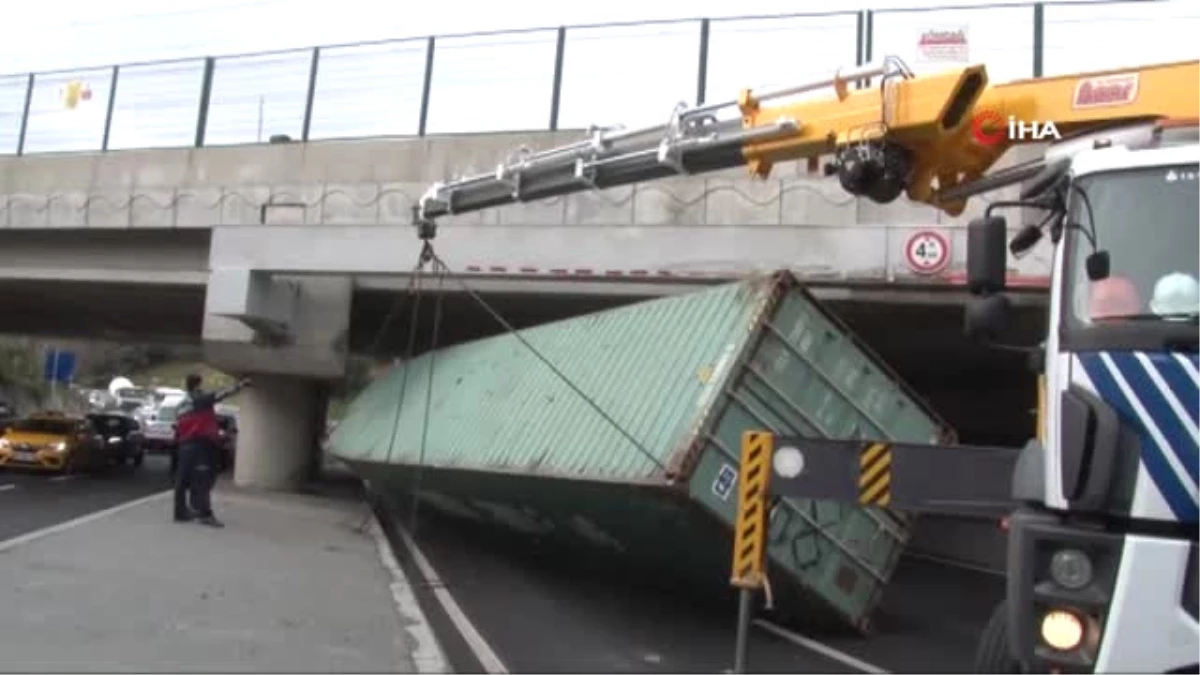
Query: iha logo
[989, 127]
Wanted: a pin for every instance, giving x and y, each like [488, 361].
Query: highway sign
[927, 252]
[59, 366]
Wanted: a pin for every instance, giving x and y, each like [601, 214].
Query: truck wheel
[992, 655]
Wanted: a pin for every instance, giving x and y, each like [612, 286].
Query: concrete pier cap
[289, 336]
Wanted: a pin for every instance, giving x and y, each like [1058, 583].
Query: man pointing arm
[198, 434]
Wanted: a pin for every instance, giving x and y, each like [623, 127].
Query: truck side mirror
[986, 316]
[1098, 266]
[1026, 239]
[987, 255]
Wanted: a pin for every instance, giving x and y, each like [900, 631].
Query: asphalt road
[33, 501]
[541, 613]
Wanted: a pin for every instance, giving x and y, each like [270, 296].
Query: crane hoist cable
[440, 272]
[428, 257]
[516, 333]
[414, 291]
[428, 262]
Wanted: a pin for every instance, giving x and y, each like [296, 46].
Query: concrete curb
[428, 655]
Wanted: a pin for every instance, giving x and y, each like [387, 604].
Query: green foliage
[21, 368]
[126, 359]
[172, 374]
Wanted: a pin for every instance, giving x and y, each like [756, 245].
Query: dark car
[227, 449]
[123, 439]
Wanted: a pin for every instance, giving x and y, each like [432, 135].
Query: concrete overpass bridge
[282, 258]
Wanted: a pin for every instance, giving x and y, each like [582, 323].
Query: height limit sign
[927, 252]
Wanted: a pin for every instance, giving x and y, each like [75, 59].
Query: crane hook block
[426, 227]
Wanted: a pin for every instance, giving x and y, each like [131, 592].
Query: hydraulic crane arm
[947, 479]
[925, 136]
[693, 141]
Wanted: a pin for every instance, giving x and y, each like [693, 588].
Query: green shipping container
[510, 441]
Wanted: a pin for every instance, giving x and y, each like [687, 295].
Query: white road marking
[7, 486]
[82, 520]
[63, 477]
[428, 655]
[483, 651]
[822, 649]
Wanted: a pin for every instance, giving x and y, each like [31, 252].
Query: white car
[158, 425]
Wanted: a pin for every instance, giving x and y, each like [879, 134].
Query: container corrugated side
[804, 374]
[496, 407]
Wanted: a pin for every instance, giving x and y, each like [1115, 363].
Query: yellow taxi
[50, 441]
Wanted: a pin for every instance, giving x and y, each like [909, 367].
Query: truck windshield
[1148, 219]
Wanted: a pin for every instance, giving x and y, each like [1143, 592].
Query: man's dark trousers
[194, 478]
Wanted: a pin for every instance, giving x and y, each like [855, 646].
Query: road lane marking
[475, 642]
[822, 649]
[428, 655]
[7, 486]
[63, 477]
[82, 520]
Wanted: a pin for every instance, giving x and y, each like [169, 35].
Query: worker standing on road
[199, 434]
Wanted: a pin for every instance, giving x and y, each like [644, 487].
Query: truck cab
[1103, 552]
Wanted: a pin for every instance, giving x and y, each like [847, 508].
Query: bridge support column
[280, 418]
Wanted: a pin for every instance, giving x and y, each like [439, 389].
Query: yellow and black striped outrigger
[919, 478]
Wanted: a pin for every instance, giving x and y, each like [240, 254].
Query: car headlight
[61, 447]
[1071, 569]
[4, 443]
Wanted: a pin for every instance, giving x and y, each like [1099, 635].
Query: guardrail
[551, 78]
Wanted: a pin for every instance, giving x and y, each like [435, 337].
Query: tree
[121, 359]
[21, 370]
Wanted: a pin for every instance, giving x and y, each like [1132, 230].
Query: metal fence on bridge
[552, 78]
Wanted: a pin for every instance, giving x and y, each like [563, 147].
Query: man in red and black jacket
[198, 433]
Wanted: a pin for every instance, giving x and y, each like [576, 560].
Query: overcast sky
[617, 75]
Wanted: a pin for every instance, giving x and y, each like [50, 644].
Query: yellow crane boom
[929, 136]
